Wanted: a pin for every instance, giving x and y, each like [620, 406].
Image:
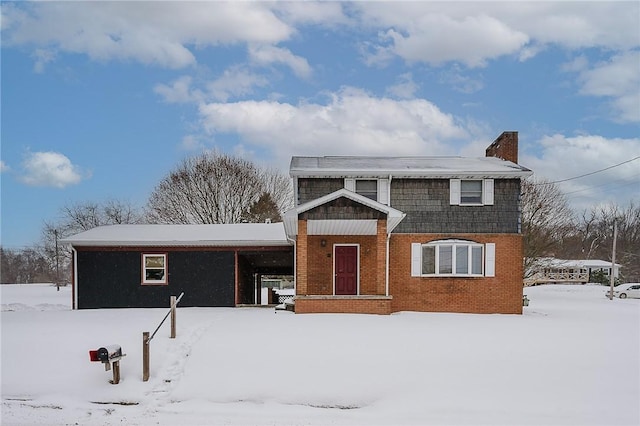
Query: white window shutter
[490, 260]
[416, 259]
[487, 193]
[350, 184]
[454, 192]
[383, 191]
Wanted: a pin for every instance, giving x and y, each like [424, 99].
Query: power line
[605, 184]
[587, 174]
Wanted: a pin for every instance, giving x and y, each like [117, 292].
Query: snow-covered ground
[573, 358]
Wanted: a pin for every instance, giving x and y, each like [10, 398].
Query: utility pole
[55, 233]
[613, 260]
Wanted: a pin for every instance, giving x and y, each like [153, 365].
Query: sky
[101, 100]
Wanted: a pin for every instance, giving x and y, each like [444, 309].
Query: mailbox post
[109, 355]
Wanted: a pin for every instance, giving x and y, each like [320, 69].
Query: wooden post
[173, 317]
[116, 373]
[145, 356]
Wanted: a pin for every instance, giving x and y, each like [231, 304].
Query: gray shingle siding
[310, 189]
[426, 204]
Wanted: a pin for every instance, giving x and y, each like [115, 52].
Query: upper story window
[368, 188]
[374, 189]
[471, 192]
[154, 269]
[453, 258]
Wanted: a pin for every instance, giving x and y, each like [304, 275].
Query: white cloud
[158, 33]
[50, 169]
[351, 122]
[4, 167]
[460, 82]
[405, 88]
[471, 40]
[567, 157]
[234, 82]
[179, 91]
[42, 58]
[476, 32]
[618, 79]
[266, 55]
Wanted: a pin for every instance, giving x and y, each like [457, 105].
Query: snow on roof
[240, 234]
[579, 263]
[433, 167]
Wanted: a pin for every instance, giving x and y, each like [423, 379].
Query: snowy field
[573, 358]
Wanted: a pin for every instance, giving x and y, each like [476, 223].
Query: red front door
[346, 264]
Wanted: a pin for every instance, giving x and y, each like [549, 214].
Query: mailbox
[106, 354]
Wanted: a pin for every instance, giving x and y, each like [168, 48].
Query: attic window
[367, 188]
[154, 269]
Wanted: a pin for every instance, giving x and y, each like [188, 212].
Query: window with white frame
[154, 268]
[374, 189]
[471, 192]
[453, 258]
[367, 188]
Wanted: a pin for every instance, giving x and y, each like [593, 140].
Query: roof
[217, 235]
[416, 167]
[341, 227]
[578, 263]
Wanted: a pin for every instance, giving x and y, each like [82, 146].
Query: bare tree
[628, 242]
[81, 217]
[214, 188]
[546, 220]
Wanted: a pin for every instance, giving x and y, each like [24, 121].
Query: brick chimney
[505, 147]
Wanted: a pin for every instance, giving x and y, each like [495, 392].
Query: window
[471, 192]
[374, 189]
[154, 269]
[367, 188]
[453, 258]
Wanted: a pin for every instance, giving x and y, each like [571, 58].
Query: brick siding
[499, 294]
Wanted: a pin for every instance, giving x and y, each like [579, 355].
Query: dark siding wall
[111, 279]
[342, 208]
[426, 203]
[310, 189]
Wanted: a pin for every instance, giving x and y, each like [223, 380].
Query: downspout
[74, 284]
[386, 292]
[386, 279]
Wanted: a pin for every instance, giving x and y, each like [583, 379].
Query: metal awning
[341, 226]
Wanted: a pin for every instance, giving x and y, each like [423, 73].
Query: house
[387, 234]
[366, 235]
[121, 266]
[562, 271]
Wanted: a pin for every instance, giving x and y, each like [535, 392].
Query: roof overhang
[216, 235]
[341, 226]
[406, 167]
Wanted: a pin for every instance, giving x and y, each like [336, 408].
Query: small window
[471, 192]
[154, 269]
[367, 188]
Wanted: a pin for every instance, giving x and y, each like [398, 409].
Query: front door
[346, 270]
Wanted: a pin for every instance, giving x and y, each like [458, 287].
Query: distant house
[366, 235]
[388, 234]
[562, 271]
